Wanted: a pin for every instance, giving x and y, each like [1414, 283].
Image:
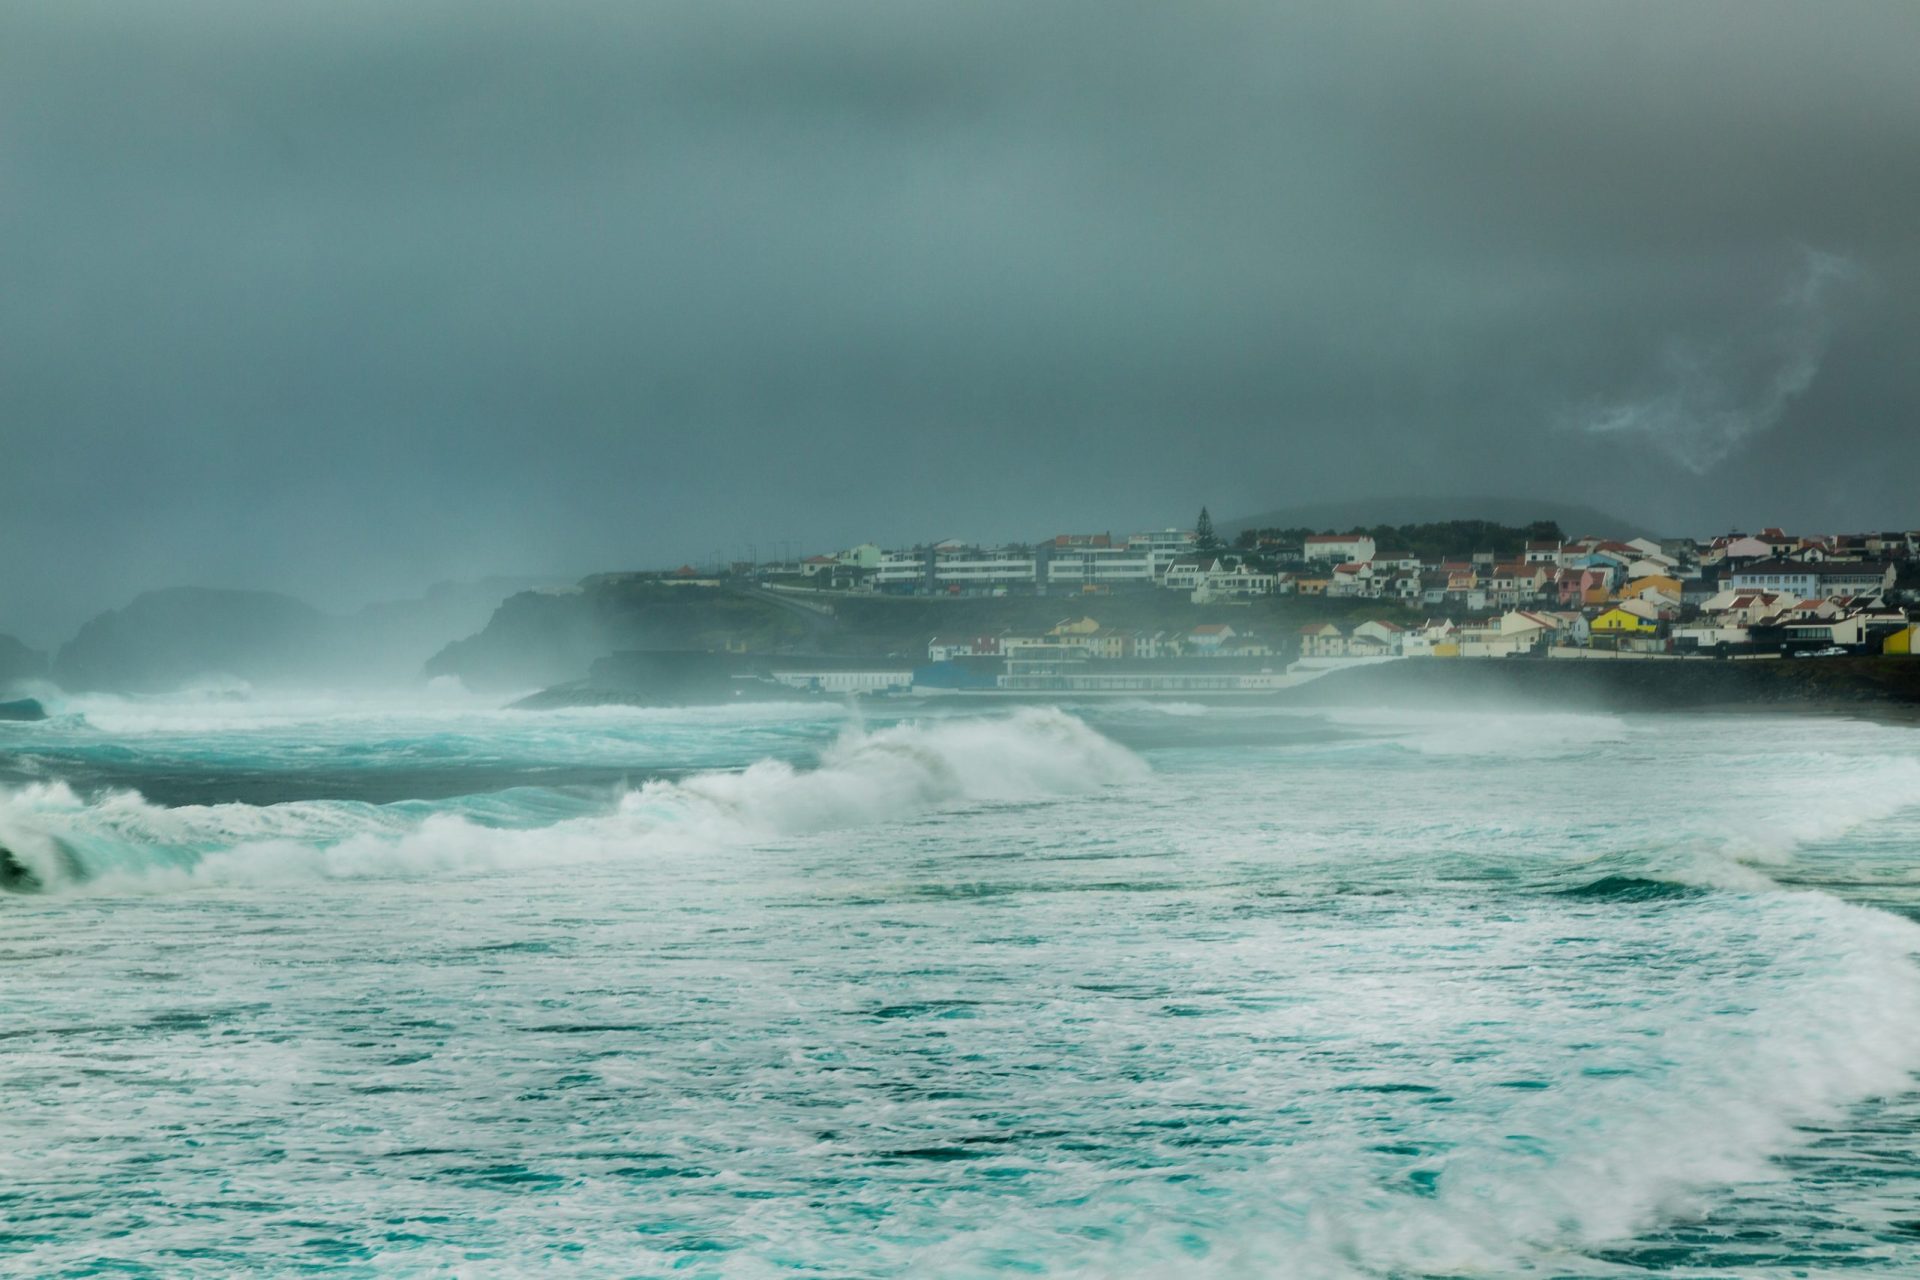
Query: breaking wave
[53, 837]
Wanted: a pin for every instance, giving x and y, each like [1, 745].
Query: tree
[1204, 538]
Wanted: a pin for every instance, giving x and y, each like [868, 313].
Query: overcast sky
[345, 297]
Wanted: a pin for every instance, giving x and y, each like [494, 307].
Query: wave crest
[55, 837]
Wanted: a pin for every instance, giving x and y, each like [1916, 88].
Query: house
[1359, 646]
[1400, 586]
[1651, 567]
[1388, 636]
[1339, 549]
[1209, 638]
[944, 648]
[1738, 547]
[1322, 640]
[1246, 646]
[1432, 639]
[1502, 636]
[1107, 644]
[1242, 582]
[1848, 629]
[813, 566]
[1354, 578]
[1628, 618]
[1188, 572]
[1513, 632]
[1581, 587]
[1154, 644]
[1664, 589]
[1710, 633]
[1570, 628]
[1517, 583]
[1742, 607]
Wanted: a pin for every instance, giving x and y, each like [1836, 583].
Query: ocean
[426, 988]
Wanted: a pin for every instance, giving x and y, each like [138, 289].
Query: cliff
[539, 638]
[167, 640]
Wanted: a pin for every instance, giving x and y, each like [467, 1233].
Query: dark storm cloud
[346, 297]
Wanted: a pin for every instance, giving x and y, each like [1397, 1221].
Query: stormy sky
[344, 297]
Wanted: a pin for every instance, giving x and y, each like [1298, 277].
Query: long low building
[1117, 676]
[1816, 579]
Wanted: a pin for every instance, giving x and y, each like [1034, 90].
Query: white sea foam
[1493, 735]
[1277, 1011]
[61, 838]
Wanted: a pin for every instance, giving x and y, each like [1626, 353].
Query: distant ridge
[1574, 520]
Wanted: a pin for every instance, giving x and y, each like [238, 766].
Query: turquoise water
[1100, 991]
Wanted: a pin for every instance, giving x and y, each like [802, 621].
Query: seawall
[1861, 684]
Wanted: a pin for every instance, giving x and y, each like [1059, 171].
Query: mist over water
[1135, 989]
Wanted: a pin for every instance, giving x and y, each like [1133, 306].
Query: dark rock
[166, 640]
[540, 638]
[15, 875]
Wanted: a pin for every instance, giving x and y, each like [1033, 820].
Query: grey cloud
[1721, 389]
[341, 298]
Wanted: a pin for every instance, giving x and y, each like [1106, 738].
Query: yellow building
[1906, 641]
[1619, 622]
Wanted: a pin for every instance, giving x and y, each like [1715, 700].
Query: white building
[1238, 583]
[1354, 578]
[1389, 636]
[1830, 578]
[878, 680]
[1162, 546]
[1339, 548]
[1100, 566]
[954, 564]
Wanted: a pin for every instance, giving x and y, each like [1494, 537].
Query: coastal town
[1768, 594]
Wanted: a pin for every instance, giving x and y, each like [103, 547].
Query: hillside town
[1768, 594]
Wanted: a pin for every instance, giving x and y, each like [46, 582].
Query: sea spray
[58, 837]
[978, 995]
